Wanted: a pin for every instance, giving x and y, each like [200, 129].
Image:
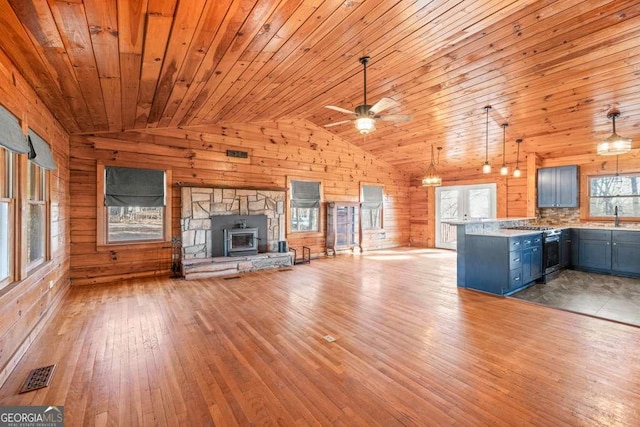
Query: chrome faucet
[616, 220]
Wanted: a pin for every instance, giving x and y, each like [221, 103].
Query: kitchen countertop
[602, 227]
[502, 232]
[505, 232]
[487, 220]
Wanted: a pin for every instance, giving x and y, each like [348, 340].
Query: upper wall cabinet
[558, 187]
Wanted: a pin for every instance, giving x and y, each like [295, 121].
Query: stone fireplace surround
[200, 206]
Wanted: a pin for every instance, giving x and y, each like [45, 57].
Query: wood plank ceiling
[550, 69]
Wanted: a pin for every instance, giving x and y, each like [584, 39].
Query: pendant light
[486, 168]
[516, 171]
[615, 144]
[504, 170]
[432, 179]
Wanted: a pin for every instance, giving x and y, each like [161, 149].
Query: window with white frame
[24, 165]
[372, 207]
[305, 206]
[37, 199]
[608, 192]
[7, 166]
[135, 204]
[36, 214]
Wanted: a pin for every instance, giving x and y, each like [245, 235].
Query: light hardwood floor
[410, 349]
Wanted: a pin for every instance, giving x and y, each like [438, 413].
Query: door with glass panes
[461, 203]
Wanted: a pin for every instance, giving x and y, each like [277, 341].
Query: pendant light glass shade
[516, 171]
[504, 170]
[432, 179]
[486, 168]
[615, 144]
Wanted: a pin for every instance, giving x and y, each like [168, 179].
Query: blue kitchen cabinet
[565, 247]
[625, 255]
[502, 265]
[594, 251]
[558, 187]
[531, 264]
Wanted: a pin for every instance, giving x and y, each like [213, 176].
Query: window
[305, 206]
[36, 214]
[134, 204]
[7, 161]
[12, 141]
[610, 191]
[372, 204]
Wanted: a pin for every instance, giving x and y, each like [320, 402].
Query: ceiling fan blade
[340, 109]
[396, 117]
[337, 123]
[383, 104]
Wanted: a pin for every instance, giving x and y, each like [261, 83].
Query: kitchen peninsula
[490, 254]
[504, 256]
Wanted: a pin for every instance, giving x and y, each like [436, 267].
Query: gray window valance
[372, 196]
[11, 136]
[305, 194]
[39, 152]
[132, 187]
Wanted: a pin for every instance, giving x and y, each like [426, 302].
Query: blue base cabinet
[502, 265]
[607, 251]
[594, 250]
[625, 253]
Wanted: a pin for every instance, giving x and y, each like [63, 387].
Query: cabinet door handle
[515, 279]
[516, 259]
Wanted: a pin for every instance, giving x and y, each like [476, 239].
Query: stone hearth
[199, 268]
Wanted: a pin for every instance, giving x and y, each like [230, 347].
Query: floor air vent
[231, 277]
[38, 378]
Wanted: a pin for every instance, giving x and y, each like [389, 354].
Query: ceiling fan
[366, 114]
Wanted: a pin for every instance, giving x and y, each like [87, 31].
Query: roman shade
[305, 194]
[39, 152]
[371, 196]
[132, 187]
[11, 136]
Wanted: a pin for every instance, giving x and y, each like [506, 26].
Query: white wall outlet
[50, 284]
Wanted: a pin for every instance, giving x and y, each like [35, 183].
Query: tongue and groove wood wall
[26, 304]
[197, 157]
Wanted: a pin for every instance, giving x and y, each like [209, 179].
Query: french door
[462, 203]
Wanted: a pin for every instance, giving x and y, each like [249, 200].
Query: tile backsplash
[571, 216]
[558, 216]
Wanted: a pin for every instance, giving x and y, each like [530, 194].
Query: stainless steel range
[550, 250]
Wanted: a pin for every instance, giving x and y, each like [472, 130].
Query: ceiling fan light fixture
[615, 144]
[432, 178]
[365, 125]
[365, 114]
[486, 168]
